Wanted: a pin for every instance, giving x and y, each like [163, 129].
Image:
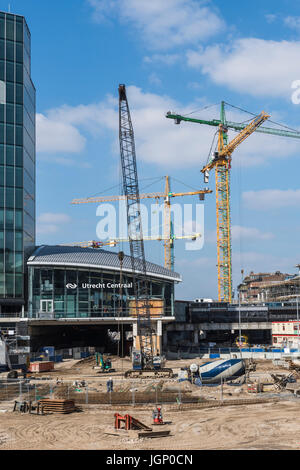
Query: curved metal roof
[92, 258]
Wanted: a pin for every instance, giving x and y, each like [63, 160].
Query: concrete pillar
[165, 339]
[134, 334]
[159, 336]
[196, 337]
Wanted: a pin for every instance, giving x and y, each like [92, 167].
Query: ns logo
[71, 286]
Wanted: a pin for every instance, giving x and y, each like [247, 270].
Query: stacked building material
[57, 406]
[43, 366]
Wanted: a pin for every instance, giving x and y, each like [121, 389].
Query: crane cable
[273, 122]
[212, 145]
[201, 109]
[157, 179]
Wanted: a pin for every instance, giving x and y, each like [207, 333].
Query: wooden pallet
[57, 406]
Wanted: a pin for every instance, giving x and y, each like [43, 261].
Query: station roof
[92, 258]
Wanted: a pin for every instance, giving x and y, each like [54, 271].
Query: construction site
[77, 411]
[225, 395]
[97, 351]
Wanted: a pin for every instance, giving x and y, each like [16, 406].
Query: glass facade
[17, 155]
[69, 293]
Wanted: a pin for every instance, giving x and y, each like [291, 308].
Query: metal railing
[106, 312]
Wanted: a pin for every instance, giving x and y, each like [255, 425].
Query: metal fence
[123, 392]
[127, 392]
[23, 390]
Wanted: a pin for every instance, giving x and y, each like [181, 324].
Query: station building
[81, 295]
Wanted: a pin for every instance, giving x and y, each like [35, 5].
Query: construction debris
[129, 422]
[281, 381]
[255, 388]
[293, 366]
[27, 407]
[293, 387]
[153, 434]
[21, 406]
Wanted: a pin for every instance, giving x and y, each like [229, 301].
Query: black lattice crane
[135, 233]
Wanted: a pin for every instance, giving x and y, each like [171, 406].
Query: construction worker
[110, 385]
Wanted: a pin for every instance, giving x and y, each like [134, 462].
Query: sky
[180, 55]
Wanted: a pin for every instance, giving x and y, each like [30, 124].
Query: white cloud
[250, 233]
[261, 148]
[166, 59]
[158, 140]
[194, 85]
[262, 262]
[254, 66]
[154, 79]
[60, 130]
[50, 217]
[55, 136]
[292, 22]
[102, 8]
[271, 199]
[49, 222]
[238, 232]
[271, 18]
[163, 24]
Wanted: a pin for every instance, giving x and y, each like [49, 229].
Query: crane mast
[135, 233]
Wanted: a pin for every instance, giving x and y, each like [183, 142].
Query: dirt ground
[272, 425]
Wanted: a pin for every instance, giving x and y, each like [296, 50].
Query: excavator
[103, 365]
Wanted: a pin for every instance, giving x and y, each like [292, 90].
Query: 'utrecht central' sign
[105, 285]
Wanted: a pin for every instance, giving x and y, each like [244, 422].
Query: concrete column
[196, 337]
[134, 334]
[165, 339]
[159, 336]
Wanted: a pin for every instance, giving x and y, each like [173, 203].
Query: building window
[46, 306]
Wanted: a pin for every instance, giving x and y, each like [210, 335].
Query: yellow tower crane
[168, 235]
[221, 161]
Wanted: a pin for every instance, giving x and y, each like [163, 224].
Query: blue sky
[180, 55]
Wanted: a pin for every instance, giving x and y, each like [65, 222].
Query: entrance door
[46, 306]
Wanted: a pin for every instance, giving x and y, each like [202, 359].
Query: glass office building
[17, 160]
